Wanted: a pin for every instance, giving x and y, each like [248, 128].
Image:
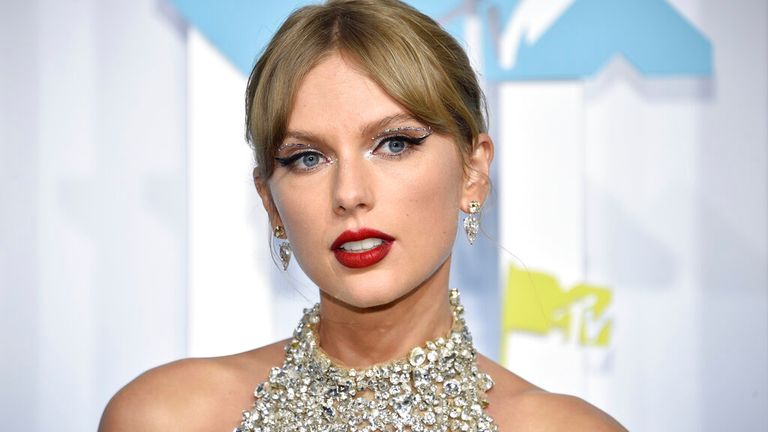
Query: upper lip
[359, 234]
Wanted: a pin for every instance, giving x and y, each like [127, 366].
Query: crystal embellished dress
[438, 387]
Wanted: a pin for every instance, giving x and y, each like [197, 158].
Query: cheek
[301, 213]
[432, 197]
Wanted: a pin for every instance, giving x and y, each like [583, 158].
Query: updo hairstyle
[404, 51]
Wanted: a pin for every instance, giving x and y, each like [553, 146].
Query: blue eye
[398, 145]
[303, 161]
[310, 159]
[395, 145]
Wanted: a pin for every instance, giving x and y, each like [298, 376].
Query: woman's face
[368, 195]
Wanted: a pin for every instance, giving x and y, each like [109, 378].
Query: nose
[352, 189]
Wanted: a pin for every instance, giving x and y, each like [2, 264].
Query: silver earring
[284, 251]
[472, 221]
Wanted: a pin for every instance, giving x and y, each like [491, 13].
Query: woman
[367, 126]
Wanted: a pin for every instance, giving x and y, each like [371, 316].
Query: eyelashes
[395, 146]
[392, 144]
[308, 158]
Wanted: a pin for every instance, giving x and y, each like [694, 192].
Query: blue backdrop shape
[650, 34]
[239, 29]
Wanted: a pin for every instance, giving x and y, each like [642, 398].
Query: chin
[358, 294]
[378, 286]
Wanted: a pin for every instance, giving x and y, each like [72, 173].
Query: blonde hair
[404, 51]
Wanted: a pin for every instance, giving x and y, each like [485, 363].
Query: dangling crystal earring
[284, 250]
[472, 221]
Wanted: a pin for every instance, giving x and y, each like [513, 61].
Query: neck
[362, 337]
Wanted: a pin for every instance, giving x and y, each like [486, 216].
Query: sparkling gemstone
[486, 383]
[417, 356]
[429, 418]
[328, 412]
[403, 406]
[451, 387]
[437, 388]
[274, 373]
[472, 227]
[453, 294]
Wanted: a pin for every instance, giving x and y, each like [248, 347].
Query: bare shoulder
[516, 404]
[193, 394]
[538, 410]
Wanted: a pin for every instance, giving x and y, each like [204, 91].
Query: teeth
[362, 245]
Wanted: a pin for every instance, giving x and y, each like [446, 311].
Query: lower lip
[363, 259]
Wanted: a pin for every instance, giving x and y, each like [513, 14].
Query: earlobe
[266, 198]
[261, 185]
[477, 179]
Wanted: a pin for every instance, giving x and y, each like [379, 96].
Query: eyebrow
[300, 135]
[369, 129]
[375, 127]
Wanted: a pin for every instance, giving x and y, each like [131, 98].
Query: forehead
[336, 96]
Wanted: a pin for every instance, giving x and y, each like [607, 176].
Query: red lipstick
[362, 258]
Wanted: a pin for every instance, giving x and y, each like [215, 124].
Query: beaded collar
[437, 387]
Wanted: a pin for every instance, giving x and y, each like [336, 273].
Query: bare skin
[210, 394]
[349, 177]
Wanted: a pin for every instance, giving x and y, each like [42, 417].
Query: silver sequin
[438, 387]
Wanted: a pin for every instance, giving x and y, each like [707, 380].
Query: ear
[266, 198]
[477, 180]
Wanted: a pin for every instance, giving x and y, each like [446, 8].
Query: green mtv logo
[535, 303]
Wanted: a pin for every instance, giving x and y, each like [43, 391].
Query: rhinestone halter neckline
[437, 387]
